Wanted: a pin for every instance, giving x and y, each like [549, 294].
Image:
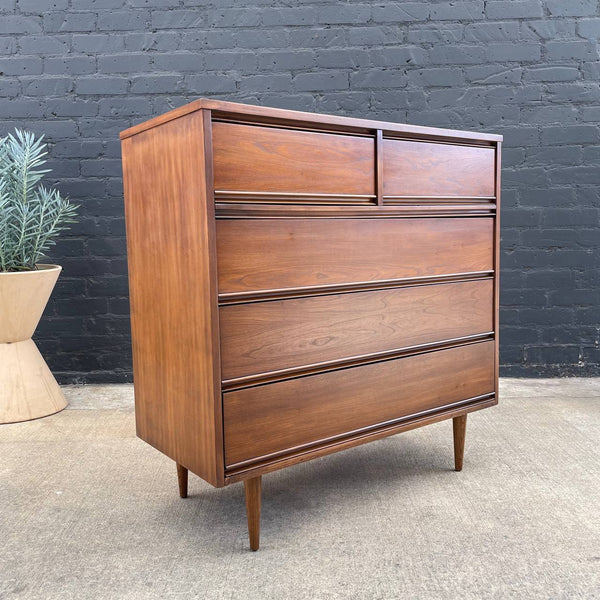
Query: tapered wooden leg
[182, 478]
[252, 490]
[459, 426]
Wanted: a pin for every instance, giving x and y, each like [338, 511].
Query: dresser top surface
[290, 117]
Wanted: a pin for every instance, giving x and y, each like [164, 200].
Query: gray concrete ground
[89, 511]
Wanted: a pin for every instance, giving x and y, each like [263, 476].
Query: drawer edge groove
[289, 456]
[250, 381]
[348, 288]
[428, 200]
[367, 209]
[239, 196]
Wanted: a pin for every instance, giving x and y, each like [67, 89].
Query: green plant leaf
[31, 215]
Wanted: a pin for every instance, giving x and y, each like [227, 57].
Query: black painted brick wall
[82, 70]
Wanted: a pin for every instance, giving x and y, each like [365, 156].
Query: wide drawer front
[279, 417]
[270, 336]
[274, 254]
[254, 159]
[417, 169]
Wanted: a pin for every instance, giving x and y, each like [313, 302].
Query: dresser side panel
[173, 295]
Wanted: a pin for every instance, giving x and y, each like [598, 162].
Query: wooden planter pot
[28, 389]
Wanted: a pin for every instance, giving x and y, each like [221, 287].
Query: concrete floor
[89, 511]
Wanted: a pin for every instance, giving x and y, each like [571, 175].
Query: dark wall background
[82, 70]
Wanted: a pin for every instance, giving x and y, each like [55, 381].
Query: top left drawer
[250, 160]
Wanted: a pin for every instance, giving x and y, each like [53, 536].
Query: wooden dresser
[304, 283]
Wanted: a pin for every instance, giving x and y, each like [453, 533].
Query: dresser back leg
[459, 426]
[182, 478]
[252, 489]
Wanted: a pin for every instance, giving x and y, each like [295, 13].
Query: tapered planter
[28, 389]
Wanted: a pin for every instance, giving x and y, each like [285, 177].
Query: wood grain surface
[272, 418]
[172, 282]
[252, 468]
[254, 159]
[263, 254]
[270, 336]
[429, 169]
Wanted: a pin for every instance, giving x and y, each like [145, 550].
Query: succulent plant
[31, 215]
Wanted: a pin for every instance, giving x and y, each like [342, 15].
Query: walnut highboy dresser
[304, 283]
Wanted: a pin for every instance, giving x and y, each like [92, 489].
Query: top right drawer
[432, 170]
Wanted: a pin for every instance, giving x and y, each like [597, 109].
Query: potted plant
[31, 217]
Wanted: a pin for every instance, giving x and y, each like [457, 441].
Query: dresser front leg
[252, 491]
[182, 478]
[459, 426]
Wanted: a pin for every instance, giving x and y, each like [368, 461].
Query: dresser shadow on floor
[296, 498]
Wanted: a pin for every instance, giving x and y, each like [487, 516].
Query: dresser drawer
[270, 336]
[278, 254]
[279, 417]
[254, 160]
[421, 169]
